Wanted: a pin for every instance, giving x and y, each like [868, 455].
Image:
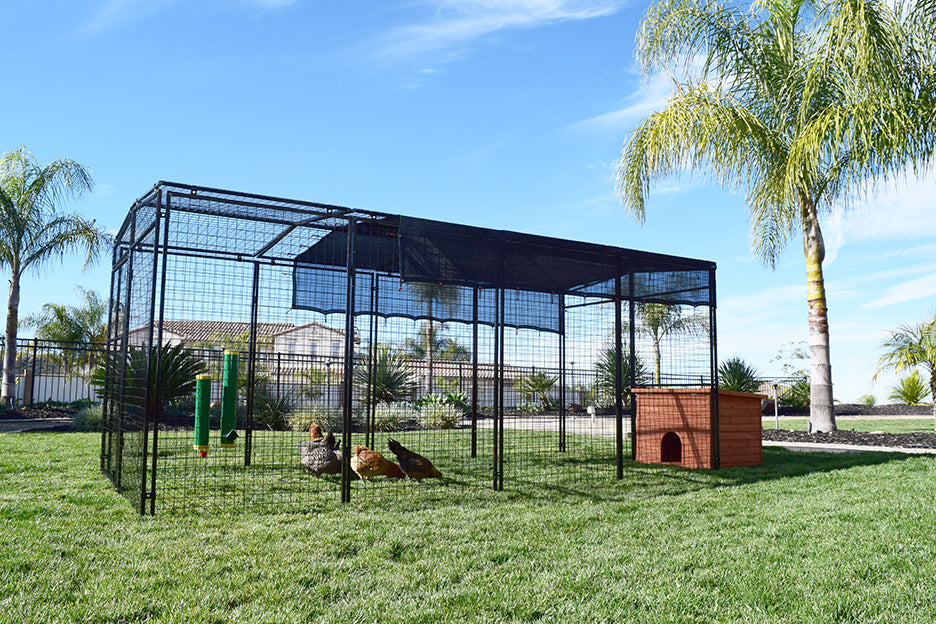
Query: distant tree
[536, 384]
[911, 347]
[800, 105]
[659, 320]
[86, 323]
[433, 294]
[32, 232]
[430, 339]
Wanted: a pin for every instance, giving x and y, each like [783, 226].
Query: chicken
[413, 465]
[315, 433]
[320, 456]
[367, 463]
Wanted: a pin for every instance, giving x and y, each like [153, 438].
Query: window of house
[336, 349]
[313, 347]
[291, 346]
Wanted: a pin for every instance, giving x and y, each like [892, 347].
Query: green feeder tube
[229, 400]
[202, 408]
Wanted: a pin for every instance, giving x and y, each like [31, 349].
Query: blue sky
[504, 114]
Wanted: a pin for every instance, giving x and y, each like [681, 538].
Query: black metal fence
[501, 357]
[55, 372]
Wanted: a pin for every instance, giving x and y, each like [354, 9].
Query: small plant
[88, 418]
[797, 396]
[329, 419]
[439, 416]
[458, 400]
[272, 411]
[911, 390]
[393, 416]
[431, 399]
[737, 375]
[867, 399]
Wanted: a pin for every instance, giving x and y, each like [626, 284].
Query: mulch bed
[855, 438]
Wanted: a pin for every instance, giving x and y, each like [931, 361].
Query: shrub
[439, 416]
[458, 400]
[737, 375]
[88, 418]
[393, 416]
[272, 411]
[797, 396]
[911, 390]
[329, 419]
[867, 399]
[391, 379]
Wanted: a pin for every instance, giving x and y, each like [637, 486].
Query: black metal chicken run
[532, 342]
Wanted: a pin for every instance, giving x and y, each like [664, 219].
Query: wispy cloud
[455, 23]
[651, 96]
[896, 211]
[911, 290]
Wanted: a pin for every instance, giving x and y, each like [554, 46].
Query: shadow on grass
[642, 481]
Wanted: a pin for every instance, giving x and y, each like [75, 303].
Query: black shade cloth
[402, 251]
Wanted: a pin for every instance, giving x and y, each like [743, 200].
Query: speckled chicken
[320, 456]
[368, 463]
[413, 465]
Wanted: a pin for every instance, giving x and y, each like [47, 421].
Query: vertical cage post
[618, 381]
[159, 336]
[251, 364]
[371, 405]
[713, 372]
[347, 389]
[151, 392]
[562, 375]
[501, 320]
[632, 360]
[474, 372]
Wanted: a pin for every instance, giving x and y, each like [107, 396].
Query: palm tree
[657, 320]
[86, 323]
[536, 384]
[909, 347]
[800, 103]
[429, 294]
[33, 232]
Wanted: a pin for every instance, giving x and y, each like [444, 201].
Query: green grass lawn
[803, 538]
[860, 423]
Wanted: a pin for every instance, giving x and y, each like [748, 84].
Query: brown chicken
[315, 433]
[413, 465]
[367, 463]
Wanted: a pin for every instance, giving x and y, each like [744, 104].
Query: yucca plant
[178, 368]
[391, 379]
[737, 375]
[606, 367]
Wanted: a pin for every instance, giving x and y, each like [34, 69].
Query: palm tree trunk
[657, 356]
[9, 355]
[821, 411]
[933, 395]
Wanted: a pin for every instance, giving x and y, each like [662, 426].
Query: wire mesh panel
[267, 352]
